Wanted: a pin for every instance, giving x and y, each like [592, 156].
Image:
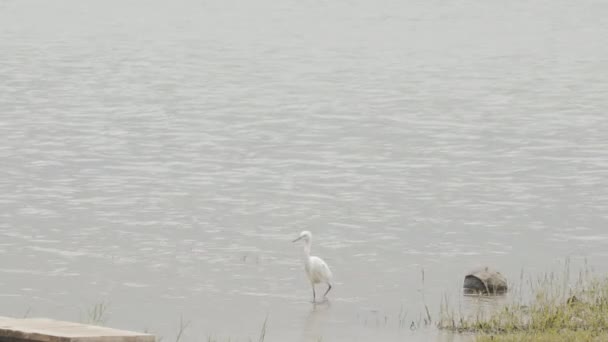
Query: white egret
[316, 269]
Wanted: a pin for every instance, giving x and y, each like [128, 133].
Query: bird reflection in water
[315, 323]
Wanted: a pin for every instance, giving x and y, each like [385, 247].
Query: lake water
[160, 156]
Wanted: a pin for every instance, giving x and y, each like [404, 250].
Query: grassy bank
[553, 336]
[557, 310]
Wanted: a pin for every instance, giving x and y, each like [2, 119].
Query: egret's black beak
[296, 240]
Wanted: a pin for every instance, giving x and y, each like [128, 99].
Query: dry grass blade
[182, 327]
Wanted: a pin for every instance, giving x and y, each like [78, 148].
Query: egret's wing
[319, 270]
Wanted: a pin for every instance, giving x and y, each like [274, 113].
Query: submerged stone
[485, 281]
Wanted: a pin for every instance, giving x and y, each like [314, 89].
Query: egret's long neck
[307, 249]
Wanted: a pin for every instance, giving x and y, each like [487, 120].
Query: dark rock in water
[485, 281]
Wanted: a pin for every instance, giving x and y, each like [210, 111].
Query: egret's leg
[328, 288]
[314, 296]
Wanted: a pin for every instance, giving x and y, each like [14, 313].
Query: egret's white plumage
[316, 269]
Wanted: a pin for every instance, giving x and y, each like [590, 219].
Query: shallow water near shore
[161, 156]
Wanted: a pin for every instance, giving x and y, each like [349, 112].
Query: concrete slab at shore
[48, 330]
